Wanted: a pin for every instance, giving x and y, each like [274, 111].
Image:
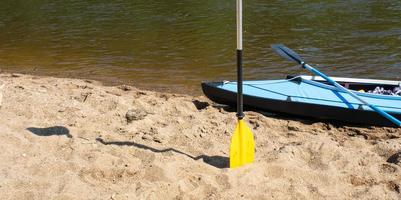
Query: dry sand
[70, 139]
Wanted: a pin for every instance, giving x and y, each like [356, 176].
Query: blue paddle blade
[286, 53]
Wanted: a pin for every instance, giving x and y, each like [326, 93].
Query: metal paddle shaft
[240, 107]
[292, 56]
[242, 146]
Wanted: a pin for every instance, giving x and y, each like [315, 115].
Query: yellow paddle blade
[242, 147]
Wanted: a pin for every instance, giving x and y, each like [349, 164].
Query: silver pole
[240, 107]
[239, 24]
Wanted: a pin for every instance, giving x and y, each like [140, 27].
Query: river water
[176, 44]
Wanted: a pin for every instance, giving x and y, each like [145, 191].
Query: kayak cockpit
[375, 86]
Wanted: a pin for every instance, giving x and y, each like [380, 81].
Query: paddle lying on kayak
[289, 54]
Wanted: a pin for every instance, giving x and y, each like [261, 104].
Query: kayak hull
[216, 93]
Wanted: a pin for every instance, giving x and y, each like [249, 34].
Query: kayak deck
[307, 93]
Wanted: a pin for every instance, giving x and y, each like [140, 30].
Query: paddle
[289, 54]
[242, 146]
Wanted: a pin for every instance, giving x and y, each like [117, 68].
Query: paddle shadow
[215, 161]
[54, 130]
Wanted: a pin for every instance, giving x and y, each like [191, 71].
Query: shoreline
[178, 89]
[66, 138]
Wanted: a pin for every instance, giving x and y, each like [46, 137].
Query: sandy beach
[78, 139]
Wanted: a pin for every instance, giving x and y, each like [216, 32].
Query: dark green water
[176, 44]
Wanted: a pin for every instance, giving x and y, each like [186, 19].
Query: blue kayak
[310, 96]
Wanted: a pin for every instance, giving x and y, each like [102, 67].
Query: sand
[77, 139]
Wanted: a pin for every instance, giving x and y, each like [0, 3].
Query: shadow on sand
[215, 161]
[54, 130]
[302, 119]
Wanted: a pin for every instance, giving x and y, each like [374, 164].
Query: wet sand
[78, 139]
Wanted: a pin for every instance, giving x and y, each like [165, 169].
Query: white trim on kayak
[354, 80]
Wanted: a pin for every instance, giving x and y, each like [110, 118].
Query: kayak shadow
[301, 119]
[230, 108]
[311, 121]
[215, 161]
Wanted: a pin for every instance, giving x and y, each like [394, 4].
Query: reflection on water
[177, 44]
